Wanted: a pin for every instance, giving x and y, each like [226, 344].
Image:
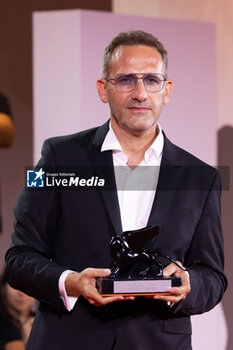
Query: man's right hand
[84, 283]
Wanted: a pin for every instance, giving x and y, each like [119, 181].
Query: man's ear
[168, 91]
[102, 90]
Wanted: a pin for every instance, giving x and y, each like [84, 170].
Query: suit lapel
[103, 168]
[168, 181]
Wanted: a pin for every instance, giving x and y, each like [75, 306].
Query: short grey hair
[132, 38]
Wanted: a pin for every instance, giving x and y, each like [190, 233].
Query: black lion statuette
[128, 249]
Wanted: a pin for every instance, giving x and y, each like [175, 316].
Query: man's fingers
[177, 293]
[170, 298]
[93, 273]
[184, 289]
[129, 298]
[171, 269]
[86, 286]
[97, 299]
[107, 300]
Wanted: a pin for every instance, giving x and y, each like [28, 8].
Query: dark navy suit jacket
[56, 229]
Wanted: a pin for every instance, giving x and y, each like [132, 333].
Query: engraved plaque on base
[133, 287]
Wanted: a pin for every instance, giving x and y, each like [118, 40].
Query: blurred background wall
[16, 83]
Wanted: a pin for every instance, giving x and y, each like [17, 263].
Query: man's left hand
[177, 293]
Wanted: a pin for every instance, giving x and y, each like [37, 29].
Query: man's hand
[84, 283]
[177, 293]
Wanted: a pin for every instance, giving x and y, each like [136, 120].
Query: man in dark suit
[61, 239]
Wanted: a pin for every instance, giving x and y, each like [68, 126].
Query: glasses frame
[112, 80]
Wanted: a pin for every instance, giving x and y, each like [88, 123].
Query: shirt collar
[111, 143]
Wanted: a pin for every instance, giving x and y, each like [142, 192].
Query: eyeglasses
[153, 82]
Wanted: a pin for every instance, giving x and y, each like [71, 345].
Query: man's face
[137, 110]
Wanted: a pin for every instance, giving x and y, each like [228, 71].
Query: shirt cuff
[68, 301]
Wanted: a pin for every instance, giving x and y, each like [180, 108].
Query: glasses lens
[125, 82]
[153, 82]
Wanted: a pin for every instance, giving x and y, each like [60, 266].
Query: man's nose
[139, 92]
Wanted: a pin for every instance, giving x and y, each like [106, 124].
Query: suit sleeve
[207, 278]
[29, 261]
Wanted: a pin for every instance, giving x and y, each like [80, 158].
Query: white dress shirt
[135, 190]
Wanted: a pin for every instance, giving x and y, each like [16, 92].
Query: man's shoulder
[69, 149]
[78, 138]
[193, 168]
[183, 157]
[94, 136]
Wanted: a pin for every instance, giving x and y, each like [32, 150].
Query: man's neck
[134, 143]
